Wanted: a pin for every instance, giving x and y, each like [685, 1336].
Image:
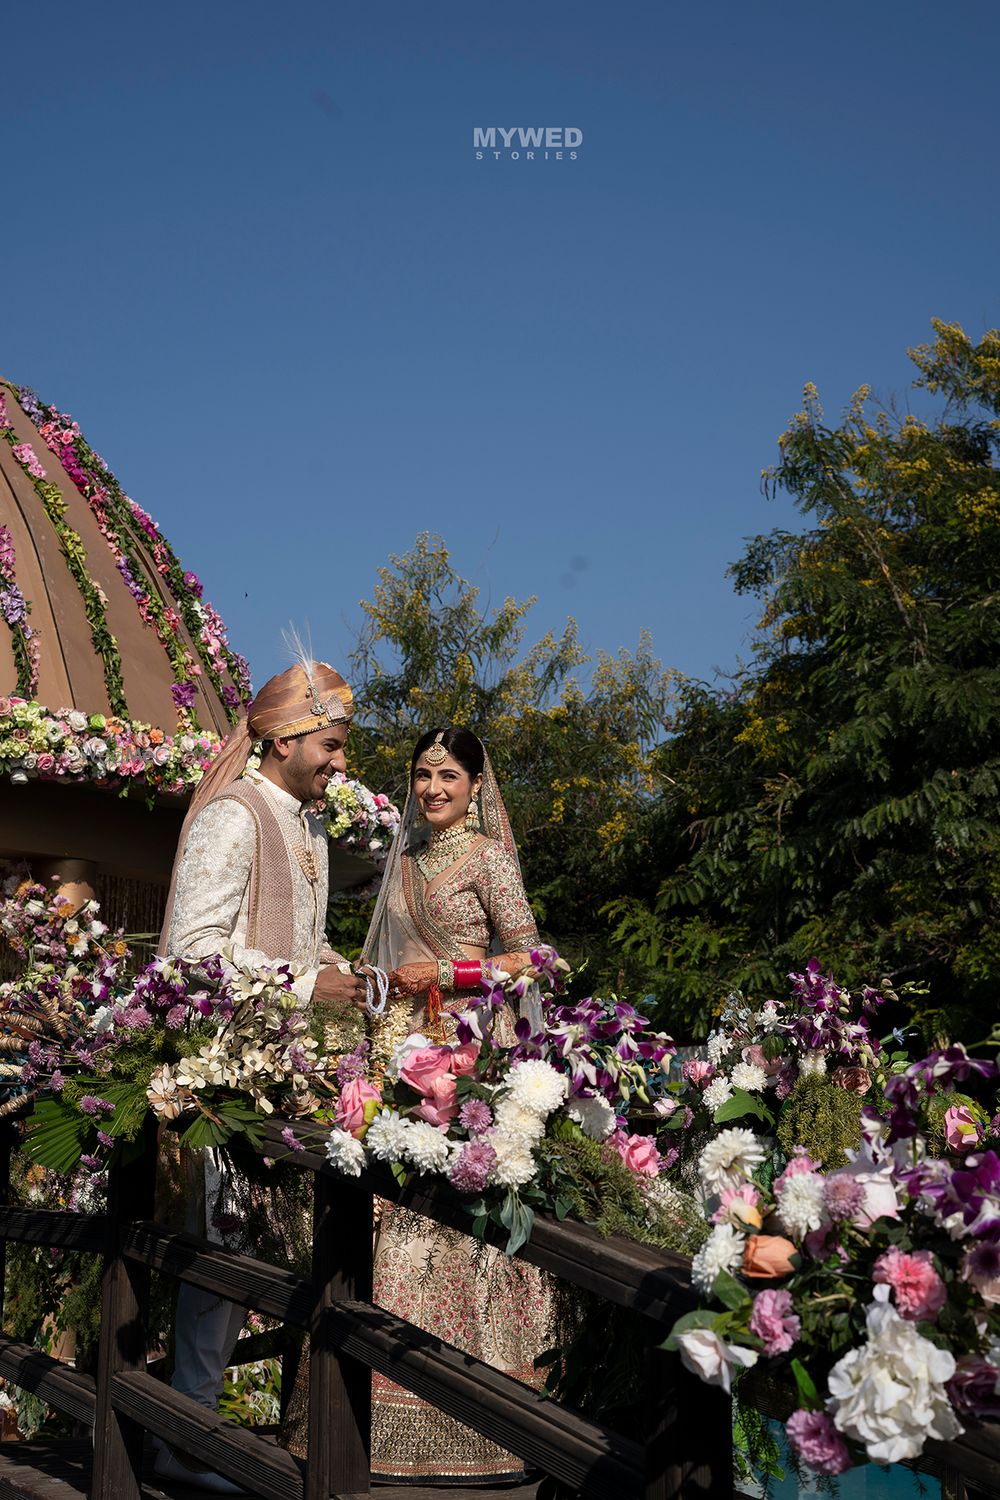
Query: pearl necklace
[444, 849]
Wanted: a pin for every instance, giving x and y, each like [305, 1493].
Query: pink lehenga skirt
[469, 1295]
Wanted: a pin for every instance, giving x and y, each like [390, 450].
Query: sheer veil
[392, 937]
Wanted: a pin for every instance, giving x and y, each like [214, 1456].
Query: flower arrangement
[218, 1047]
[505, 1125]
[870, 1281]
[360, 820]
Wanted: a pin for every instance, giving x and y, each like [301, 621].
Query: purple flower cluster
[472, 1167]
[353, 1064]
[825, 1021]
[939, 1072]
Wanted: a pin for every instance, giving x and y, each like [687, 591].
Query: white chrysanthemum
[748, 1076]
[768, 1018]
[800, 1206]
[722, 1251]
[537, 1085]
[719, 1091]
[345, 1153]
[386, 1136]
[890, 1393]
[514, 1165]
[426, 1147]
[718, 1046]
[812, 1065]
[730, 1159]
[594, 1116]
[518, 1122]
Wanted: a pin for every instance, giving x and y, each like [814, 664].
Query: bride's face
[444, 791]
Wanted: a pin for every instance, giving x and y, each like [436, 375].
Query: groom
[251, 875]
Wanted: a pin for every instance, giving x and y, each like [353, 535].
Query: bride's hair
[461, 744]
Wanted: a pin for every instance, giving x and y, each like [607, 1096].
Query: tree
[841, 801]
[573, 762]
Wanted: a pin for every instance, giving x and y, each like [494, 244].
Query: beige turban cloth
[292, 704]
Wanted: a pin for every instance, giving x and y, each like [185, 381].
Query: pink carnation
[817, 1442]
[774, 1322]
[918, 1290]
[801, 1161]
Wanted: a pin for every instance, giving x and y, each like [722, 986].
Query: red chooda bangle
[468, 974]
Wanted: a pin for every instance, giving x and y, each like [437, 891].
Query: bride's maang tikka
[435, 752]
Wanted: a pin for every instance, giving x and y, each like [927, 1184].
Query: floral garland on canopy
[854, 1247]
[125, 527]
[111, 751]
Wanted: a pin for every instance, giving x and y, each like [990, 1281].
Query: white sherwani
[211, 902]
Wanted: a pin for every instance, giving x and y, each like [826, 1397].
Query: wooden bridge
[686, 1452]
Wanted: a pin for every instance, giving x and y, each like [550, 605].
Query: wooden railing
[686, 1450]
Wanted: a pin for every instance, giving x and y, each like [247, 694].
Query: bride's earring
[472, 816]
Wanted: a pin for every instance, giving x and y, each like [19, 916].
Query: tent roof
[169, 664]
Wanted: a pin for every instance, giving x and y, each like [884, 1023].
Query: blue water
[868, 1483]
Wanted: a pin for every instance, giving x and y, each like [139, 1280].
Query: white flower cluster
[717, 1093]
[729, 1159]
[889, 1394]
[536, 1089]
[801, 1206]
[722, 1251]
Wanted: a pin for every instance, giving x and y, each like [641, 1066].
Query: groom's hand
[337, 989]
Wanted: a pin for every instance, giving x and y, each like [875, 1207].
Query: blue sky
[250, 248]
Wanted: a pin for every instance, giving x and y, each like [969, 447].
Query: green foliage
[840, 799]
[824, 1119]
[574, 765]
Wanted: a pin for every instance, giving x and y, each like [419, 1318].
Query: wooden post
[7, 1137]
[340, 1388]
[687, 1428]
[124, 1297]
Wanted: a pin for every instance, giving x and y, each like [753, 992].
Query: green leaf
[808, 1394]
[399, 1172]
[57, 1134]
[517, 1219]
[730, 1293]
[741, 1103]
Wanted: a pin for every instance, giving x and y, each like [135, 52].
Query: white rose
[711, 1359]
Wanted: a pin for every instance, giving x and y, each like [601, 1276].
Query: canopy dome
[101, 616]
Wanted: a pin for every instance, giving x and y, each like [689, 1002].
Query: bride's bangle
[468, 975]
[446, 974]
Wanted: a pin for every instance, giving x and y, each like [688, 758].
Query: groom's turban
[294, 703]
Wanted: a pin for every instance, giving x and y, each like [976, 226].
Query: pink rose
[423, 1065]
[755, 1054]
[696, 1071]
[638, 1152]
[918, 1290]
[817, 1442]
[774, 1321]
[439, 1103]
[350, 1111]
[960, 1128]
[464, 1059]
[853, 1080]
[46, 761]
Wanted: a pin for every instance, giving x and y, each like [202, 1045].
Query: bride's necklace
[444, 849]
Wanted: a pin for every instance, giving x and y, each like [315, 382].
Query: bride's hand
[412, 979]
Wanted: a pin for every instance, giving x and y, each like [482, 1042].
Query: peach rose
[768, 1256]
[464, 1058]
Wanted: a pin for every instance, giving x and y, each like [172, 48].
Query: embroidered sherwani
[214, 893]
[253, 878]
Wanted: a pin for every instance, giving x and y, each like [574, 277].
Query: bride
[452, 895]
